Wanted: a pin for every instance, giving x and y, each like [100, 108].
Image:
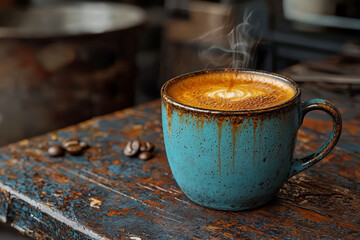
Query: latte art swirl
[234, 94]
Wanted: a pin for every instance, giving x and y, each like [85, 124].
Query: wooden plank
[105, 195]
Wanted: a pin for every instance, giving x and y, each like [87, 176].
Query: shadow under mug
[236, 160]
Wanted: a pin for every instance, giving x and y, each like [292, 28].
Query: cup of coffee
[230, 135]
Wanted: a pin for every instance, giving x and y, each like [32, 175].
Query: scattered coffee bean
[72, 146]
[84, 145]
[74, 149]
[145, 155]
[70, 142]
[56, 151]
[132, 148]
[146, 146]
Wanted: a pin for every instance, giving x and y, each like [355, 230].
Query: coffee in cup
[230, 92]
[230, 135]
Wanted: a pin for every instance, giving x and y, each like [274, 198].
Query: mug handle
[318, 104]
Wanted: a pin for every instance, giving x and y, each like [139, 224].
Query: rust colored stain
[169, 113]
[60, 178]
[116, 162]
[200, 123]
[234, 128]
[76, 193]
[153, 204]
[251, 229]
[236, 124]
[71, 198]
[183, 116]
[202, 120]
[118, 213]
[312, 216]
[12, 176]
[260, 140]
[220, 123]
[136, 131]
[141, 214]
[349, 225]
[255, 123]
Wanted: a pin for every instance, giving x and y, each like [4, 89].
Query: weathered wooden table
[105, 195]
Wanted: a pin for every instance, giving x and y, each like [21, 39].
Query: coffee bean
[145, 156]
[56, 151]
[146, 146]
[84, 145]
[71, 141]
[132, 148]
[74, 149]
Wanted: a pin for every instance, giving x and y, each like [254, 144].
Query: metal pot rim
[71, 20]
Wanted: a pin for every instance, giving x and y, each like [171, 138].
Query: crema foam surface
[230, 91]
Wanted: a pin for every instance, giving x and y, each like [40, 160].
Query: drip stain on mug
[169, 113]
[259, 154]
[234, 128]
[254, 121]
[220, 122]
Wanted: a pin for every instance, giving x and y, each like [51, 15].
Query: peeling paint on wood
[103, 194]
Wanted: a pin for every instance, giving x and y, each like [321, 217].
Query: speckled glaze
[236, 160]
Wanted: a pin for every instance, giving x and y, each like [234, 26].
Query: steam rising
[231, 49]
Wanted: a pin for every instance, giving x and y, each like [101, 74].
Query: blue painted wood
[103, 194]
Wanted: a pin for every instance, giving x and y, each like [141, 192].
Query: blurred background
[65, 61]
[62, 61]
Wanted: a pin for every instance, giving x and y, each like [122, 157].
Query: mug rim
[178, 104]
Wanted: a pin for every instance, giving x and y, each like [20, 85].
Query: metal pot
[61, 64]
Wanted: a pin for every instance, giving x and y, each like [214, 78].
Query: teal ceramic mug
[236, 160]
